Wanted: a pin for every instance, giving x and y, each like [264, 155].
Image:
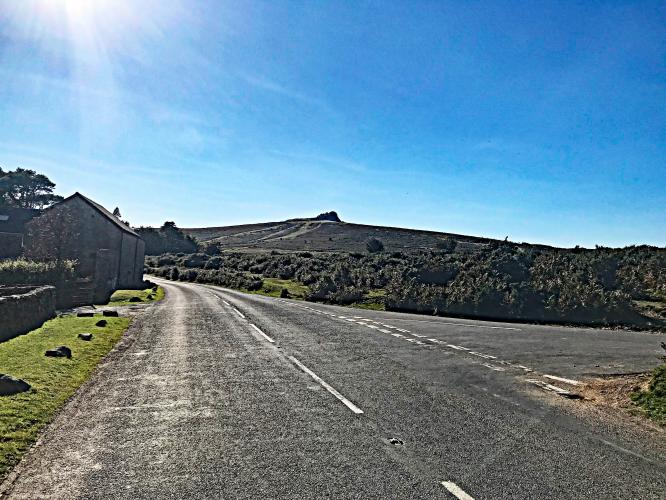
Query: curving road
[218, 394]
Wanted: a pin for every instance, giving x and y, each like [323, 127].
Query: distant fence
[24, 308]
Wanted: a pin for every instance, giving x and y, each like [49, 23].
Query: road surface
[219, 394]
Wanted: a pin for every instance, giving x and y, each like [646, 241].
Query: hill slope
[323, 235]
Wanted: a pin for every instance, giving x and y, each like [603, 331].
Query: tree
[168, 238]
[25, 188]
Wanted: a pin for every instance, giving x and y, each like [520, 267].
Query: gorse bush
[373, 245]
[502, 280]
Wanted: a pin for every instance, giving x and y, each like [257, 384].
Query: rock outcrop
[331, 216]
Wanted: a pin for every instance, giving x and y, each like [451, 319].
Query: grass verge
[53, 380]
[124, 297]
[373, 300]
[653, 400]
[273, 287]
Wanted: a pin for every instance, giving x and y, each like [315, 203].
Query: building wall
[139, 262]
[75, 231]
[106, 254]
[127, 261]
[11, 245]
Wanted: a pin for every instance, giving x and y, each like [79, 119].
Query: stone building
[108, 252]
[12, 226]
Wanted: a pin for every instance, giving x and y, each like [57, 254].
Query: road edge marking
[565, 380]
[553, 388]
[238, 312]
[262, 333]
[326, 386]
[456, 491]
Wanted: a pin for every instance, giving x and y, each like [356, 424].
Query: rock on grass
[10, 385]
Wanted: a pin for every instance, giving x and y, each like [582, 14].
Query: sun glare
[108, 25]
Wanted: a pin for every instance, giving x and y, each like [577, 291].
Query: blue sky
[542, 121]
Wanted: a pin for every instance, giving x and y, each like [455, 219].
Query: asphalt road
[218, 394]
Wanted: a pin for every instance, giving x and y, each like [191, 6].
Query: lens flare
[86, 47]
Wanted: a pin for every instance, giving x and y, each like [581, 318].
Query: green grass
[653, 401]
[273, 287]
[53, 380]
[122, 297]
[373, 301]
[651, 308]
[372, 306]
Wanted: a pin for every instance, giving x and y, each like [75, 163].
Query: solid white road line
[239, 313]
[456, 491]
[225, 302]
[565, 380]
[330, 389]
[262, 333]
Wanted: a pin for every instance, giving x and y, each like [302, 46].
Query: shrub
[373, 245]
[165, 260]
[30, 272]
[447, 245]
[213, 263]
[195, 260]
[501, 280]
[211, 248]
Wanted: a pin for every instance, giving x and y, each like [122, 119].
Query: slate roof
[103, 211]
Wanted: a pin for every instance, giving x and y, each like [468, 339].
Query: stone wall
[24, 308]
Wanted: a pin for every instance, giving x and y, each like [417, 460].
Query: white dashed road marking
[492, 367]
[239, 313]
[386, 328]
[262, 333]
[330, 389]
[481, 355]
[456, 491]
